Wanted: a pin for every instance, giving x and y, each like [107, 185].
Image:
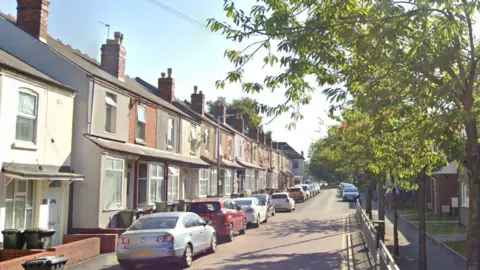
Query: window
[171, 133]
[193, 139]
[142, 183]
[213, 182]
[113, 183]
[295, 164]
[228, 178]
[229, 147]
[203, 182]
[207, 139]
[110, 112]
[240, 149]
[465, 195]
[141, 120]
[254, 153]
[26, 117]
[19, 204]
[173, 184]
[156, 183]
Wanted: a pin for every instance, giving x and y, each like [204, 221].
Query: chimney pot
[118, 37]
[163, 74]
[169, 71]
[201, 92]
[195, 88]
[32, 17]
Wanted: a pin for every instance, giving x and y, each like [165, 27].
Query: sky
[156, 39]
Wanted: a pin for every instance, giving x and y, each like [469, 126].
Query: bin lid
[49, 260]
[11, 231]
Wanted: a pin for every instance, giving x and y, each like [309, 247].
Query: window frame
[240, 149]
[229, 148]
[213, 182]
[147, 173]
[193, 139]
[171, 132]
[120, 204]
[113, 113]
[228, 179]
[141, 122]
[34, 117]
[202, 180]
[30, 185]
[170, 181]
[207, 139]
[157, 178]
[295, 164]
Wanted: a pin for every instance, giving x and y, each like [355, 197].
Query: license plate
[141, 254]
[206, 219]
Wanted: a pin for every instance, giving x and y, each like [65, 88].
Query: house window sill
[29, 146]
[113, 209]
[139, 141]
[193, 153]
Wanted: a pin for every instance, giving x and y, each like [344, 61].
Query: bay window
[142, 183]
[150, 183]
[213, 182]
[19, 204]
[203, 182]
[156, 183]
[173, 183]
[228, 180]
[113, 183]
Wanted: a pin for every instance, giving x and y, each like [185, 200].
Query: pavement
[314, 236]
[438, 256]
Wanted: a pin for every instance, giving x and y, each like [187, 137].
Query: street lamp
[219, 137]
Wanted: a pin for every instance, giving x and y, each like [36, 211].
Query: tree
[431, 42]
[245, 106]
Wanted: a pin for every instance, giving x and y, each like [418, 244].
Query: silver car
[350, 193]
[172, 236]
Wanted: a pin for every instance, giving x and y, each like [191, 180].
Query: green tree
[245, 106]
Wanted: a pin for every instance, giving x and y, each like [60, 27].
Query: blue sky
[156, 40]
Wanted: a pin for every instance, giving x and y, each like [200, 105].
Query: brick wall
[75, 252]
[108, 242]
[132, 123]
[151, 127]
[10, 254]
[117, 231]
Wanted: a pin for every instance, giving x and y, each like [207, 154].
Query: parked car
[171, 236]
[350, 193]
[346, 186]
[297, 194]
[312, 189]
[305, 188]
[227, 218]
[282, 201]
[267, 200]
[255, 212]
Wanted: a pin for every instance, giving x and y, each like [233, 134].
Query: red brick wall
[108, 242]
[151, 127]
[75, 252]
[132, 123]
[10, 254]
[448, 188]
[117, 231]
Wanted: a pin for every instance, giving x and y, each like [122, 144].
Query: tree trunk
[472, 165]
[396, 249]
[381, 199]
[368, 203]
[422, 237]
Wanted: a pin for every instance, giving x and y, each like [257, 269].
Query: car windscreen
[154, 223]
[244, 202]
[294, 190]
[204, 208]
[261, 198]
[350, 190]
[304, 188]
[279, 196]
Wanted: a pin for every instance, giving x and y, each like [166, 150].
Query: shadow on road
[304, 227]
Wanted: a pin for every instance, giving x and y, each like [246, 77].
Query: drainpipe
[90, 117]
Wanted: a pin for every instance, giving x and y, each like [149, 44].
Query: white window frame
[171, 133]
[465, 194]
[193, 140]
[29, 185]
[213, 182]
[229, 151]
[207, 139]
[240, 149]
[141, 123]
[110, 103]
[159, 179]
[228, 181]
[254, 153]
[120, 202]
[173, 182]
[203, 180]
[34, 117]
[145, 179]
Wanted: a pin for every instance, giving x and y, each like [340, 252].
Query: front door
[55, 210]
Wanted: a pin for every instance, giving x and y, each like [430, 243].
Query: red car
[226, 217]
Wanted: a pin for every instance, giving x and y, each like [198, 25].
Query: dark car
[267, 200]
[227, 218]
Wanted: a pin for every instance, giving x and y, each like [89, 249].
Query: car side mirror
[239, 208]
[207, 223]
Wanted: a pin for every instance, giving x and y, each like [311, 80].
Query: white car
[255, 212]
[306, 188]
[281, 201]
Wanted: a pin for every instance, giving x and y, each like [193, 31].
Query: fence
[381, 256]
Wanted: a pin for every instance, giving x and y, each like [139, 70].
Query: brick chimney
[237, 123]
[302, 154]
[253, 133]
[261, 137]
[268, 139]
[198, 101]
[220, 110]
[32, 17]
[113, 56]
[166, 86]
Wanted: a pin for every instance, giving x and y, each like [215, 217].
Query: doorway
[55, 210]
[129, 186]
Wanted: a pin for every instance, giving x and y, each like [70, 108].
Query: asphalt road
[311, 237]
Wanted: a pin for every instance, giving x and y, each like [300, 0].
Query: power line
[178, 14]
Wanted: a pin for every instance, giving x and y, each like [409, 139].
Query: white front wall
[300, 171]
[53, 137]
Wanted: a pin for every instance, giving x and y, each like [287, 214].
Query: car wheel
[231, 233]
[187, 258]
[244, 228]
[273, 213]
[257, 224]
[127, 265]
[213, 244]
[266, 216]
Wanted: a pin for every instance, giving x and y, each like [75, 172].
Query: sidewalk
[438, 257]
[359, 256]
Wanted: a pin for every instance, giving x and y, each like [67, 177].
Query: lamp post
[219, 137]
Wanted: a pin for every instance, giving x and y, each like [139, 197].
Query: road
[312, 237]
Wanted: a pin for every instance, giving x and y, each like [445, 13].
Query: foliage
[246, 107]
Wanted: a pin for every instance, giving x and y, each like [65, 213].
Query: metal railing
[382, 258]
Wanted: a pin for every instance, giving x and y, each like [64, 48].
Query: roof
[185, 107]
[145, 151]
[9, 61]
[249, 165]
[289, 151]
[39, 172]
